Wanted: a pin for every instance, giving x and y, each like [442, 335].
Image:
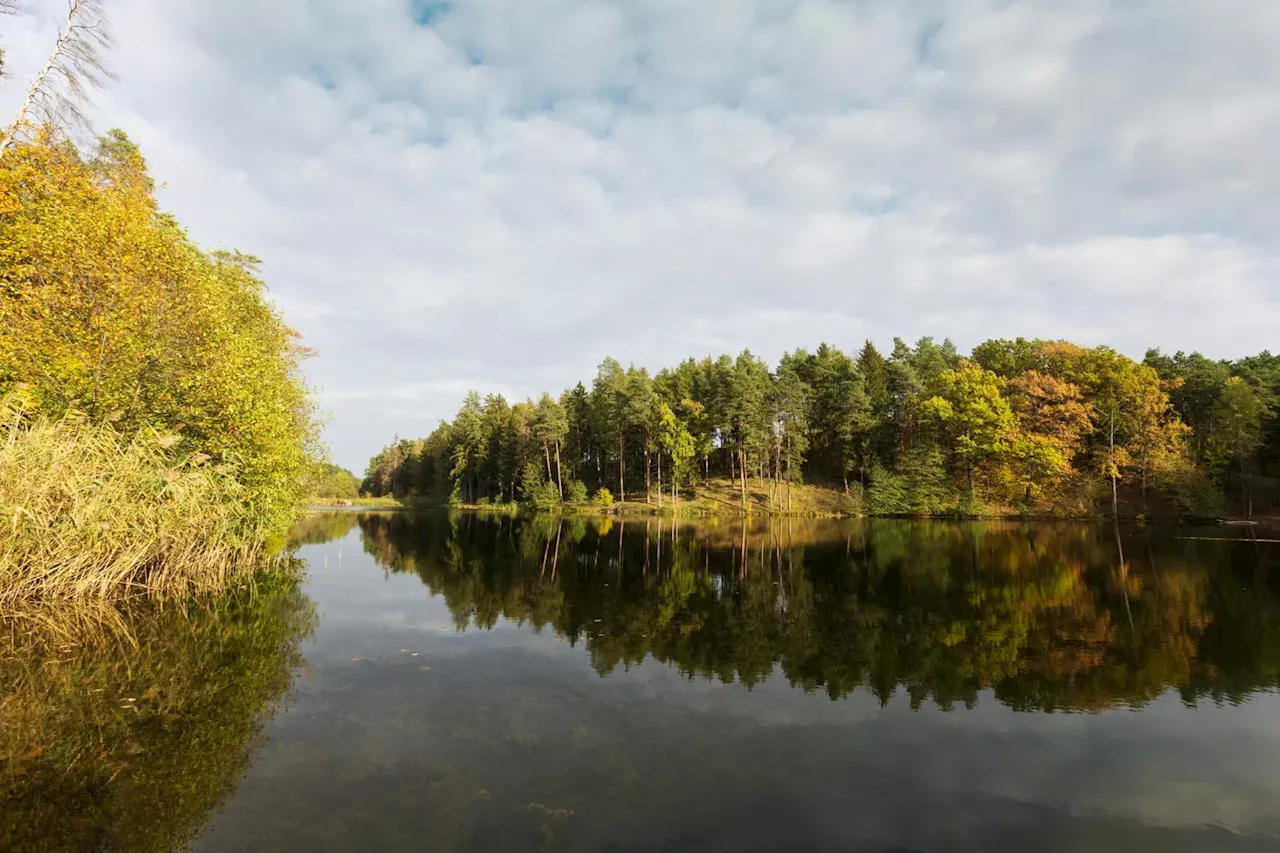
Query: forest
[1030, 427]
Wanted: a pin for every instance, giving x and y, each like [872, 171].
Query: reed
[86, 512]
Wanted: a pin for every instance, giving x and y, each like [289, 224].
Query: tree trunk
[622, 487]
[777, 470]
[546, 453]
[97, 374]
[1111, 445]
[790, 474]
[1144, 481]
[659, 481]
[1248, 491]
[742, 465]
[556, 556]
[559, 472]
[648, 483]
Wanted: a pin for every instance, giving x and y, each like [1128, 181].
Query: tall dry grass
[86, 512]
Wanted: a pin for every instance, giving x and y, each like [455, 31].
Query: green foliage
[888, 493]
[1192, 492]
[1024, 427]
[920, 486]
[326, 480]
[975, 416]
[575, 492]
[537, 491]
[604, 498]
[932, 490]
[532, 480]
[854, 501]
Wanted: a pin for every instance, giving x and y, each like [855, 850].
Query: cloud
[499, 193]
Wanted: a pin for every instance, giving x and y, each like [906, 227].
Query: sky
[497, 194]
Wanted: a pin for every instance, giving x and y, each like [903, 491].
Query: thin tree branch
[59, 94]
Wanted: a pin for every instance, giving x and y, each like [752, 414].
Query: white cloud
[511, 192]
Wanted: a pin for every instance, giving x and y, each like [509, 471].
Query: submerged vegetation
[1018, 427]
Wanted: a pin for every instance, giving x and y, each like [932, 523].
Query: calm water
[459, 683]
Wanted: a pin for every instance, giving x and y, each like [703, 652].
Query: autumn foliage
[109, 311]
[1021, 427]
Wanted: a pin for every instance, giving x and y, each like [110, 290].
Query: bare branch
[59, 94]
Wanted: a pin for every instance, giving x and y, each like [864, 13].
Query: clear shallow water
[471, 684]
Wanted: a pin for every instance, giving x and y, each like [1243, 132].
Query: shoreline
[653, 511]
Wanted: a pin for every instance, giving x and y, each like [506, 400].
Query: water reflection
[125, 734]
[536, 728]
[1047, 617]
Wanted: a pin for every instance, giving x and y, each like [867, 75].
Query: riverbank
[721, 497]
[90, 513]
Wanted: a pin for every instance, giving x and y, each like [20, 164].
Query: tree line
[1029, 426]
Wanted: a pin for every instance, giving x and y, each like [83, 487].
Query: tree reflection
[1047, 617]
[124, 735]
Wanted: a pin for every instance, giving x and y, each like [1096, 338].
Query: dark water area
[456, 682]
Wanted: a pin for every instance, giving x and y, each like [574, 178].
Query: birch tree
[59, 94]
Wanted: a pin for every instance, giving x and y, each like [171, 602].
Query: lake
[459, 682]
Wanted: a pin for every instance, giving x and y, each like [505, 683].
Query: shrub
[576, 492]
[106, 301]
[853, 502]
[1191, 492]
[604, 497]
[537, 490]
[887, 494]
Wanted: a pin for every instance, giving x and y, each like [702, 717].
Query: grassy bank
[715, 497]
[88, 512]
[722, 497]
[386, 501]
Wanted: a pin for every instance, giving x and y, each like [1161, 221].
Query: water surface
[462, 683]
